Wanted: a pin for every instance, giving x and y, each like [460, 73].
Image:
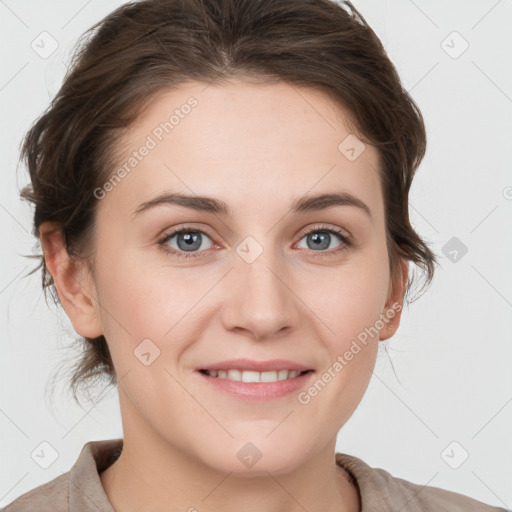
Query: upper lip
[257, 366]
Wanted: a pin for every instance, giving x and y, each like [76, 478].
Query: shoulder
[79, 489]
[429, 498]
[382, 491]
[49, 497]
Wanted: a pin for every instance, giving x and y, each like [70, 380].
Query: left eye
[318, 239]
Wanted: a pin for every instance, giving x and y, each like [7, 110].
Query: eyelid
[186, 227]
[326, 227]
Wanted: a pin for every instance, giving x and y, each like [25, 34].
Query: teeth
[252, 376]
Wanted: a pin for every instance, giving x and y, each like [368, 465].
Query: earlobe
[72, 280]
[394, 304]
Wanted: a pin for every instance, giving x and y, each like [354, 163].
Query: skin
[257, 148]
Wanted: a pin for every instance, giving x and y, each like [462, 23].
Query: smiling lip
[257, 366]
[260, 391]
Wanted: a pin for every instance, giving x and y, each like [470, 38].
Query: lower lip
[258, 390]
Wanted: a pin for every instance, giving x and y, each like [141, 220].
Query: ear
[73, 282]
[394, 303]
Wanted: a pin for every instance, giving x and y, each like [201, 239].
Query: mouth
[253, 385]
[250, 379]
[250, 376]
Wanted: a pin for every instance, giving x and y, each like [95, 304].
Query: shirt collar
[86, 492]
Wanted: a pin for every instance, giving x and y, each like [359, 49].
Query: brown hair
[146, 46]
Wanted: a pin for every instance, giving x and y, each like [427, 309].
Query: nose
[260, 298]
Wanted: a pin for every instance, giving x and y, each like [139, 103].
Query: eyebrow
[307, 203]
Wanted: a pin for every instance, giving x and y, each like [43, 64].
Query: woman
[221, 194]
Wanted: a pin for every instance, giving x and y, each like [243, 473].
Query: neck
[160, 477]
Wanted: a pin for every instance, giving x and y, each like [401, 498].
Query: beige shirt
[80, 489]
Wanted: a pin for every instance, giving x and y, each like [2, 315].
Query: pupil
[190, 239]
[318, 238]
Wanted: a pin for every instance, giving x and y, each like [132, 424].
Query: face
[264, 280]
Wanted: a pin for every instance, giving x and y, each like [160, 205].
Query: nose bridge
[259, 300]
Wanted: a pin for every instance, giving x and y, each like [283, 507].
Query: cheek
[137, 303]
[350, 299]
[348, 308]
[142, 301]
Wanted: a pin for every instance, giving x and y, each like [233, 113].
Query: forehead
[271, 141]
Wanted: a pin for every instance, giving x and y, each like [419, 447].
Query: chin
[245, 458]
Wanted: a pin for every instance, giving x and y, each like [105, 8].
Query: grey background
[452, 353]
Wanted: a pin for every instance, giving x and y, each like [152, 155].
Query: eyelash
[345, 245]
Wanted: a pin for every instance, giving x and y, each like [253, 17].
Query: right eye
[187, 242]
